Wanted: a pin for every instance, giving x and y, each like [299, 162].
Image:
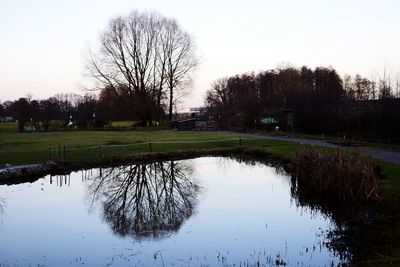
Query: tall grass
[338, 174]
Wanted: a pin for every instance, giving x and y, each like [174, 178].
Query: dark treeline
[55, 112]
[320, 100]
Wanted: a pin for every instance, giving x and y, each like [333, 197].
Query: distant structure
[187, 119]
[70, 122]
[189, 113]
[6, 119]
[198, 109]
[29, 127]
[183, 125]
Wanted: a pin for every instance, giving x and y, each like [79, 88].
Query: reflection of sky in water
[244, 213]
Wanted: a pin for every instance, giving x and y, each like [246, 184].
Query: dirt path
[392, 156]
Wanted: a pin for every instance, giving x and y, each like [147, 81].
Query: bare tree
[143, 52]
[146, 200]
[397, 86]
[180, 61]
[385, 85]
[2, 207]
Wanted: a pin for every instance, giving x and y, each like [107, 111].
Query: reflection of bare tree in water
[2, 207]
[146, 200]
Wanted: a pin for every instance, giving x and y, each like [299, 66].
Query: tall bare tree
[147, 54]
[180, 61]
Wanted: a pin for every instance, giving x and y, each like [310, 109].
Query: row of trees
[41, 112]
[59, 109]
[242, 100]
[106, 106]
[315, 96]
[361, 88]
[145, 60]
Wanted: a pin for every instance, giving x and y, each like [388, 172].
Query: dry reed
[339, 174]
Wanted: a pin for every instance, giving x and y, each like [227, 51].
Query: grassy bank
[27, 148]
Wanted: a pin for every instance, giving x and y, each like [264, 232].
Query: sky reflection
[210, 211]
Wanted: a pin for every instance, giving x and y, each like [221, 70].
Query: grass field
[26, 148]
[8, 127]
[122, 123]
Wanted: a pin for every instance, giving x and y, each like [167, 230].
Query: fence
[65, 152]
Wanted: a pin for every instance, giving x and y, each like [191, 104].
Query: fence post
[101, 152]
[65, 153]
[150, 146]
[240, 141]
[49, 153]
[59, 152]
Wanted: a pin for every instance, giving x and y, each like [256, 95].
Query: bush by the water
[339, 174]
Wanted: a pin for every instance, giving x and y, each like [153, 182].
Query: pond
[208, 211]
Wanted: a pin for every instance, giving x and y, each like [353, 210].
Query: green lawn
[8, 127]
[122, 123]
[25, 148]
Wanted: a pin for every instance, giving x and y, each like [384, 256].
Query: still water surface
[201, 212]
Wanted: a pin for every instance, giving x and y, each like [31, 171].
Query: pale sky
[43, 42]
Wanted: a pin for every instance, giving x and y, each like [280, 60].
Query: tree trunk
[171, 101]
[158, 106]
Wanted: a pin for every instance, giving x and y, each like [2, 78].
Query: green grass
[122, 123]
[26, 148]
[126, 125]
[392, 171]
[8, 127]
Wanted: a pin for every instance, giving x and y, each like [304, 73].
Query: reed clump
[340, 175]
